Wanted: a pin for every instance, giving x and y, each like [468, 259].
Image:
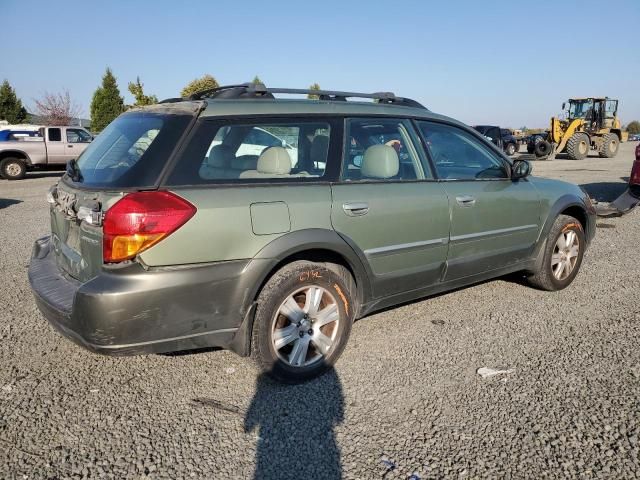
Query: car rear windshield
[131, 151]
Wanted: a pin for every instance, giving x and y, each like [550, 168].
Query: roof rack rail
[259, 90]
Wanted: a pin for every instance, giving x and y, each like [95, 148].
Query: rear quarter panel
[232, 222]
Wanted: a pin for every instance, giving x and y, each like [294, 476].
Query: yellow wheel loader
[591, 123]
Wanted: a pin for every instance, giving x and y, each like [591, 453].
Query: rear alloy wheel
[303, 320]
[510, 149]
[578, 146]
[609, 147]
[562, 255]
[13, 168]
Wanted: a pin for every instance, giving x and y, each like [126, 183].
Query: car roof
[284, 107]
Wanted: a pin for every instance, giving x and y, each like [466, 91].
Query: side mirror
[563, 105]
[520, 169]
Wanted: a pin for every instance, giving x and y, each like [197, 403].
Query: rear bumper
[130, 310]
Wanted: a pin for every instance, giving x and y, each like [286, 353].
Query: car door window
[221, 152]
[55, 135]
[75, 135]
[458, 155]
[383, 150]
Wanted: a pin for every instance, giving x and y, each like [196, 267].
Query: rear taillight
[140, 220]
[638, 153]
[634, 179]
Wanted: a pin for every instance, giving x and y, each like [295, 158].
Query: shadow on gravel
[605, 191]
[295, 427]
[7, 202]
[195, 351]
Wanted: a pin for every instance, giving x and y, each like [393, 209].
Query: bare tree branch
[57, 108]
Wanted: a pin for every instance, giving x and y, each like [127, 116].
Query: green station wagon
[266, 225]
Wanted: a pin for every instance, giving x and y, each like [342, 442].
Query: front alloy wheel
[561, 255]
[565, 254]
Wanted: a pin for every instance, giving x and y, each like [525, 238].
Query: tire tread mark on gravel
[210, 402]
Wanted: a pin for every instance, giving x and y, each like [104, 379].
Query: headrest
[220, 156]
[274, 160]
[319, 149]
[380, 161]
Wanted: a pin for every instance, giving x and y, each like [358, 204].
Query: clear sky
[501, 62]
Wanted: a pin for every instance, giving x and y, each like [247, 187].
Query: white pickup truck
[52, 146]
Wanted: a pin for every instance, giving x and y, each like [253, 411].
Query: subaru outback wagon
[177, 229]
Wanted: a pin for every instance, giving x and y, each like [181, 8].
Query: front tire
[609, 147]
[13, 168]
[510, 149]
[303, 320]
[563, 254]
[578, 146]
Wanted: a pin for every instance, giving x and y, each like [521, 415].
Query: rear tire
[578, 146]
[530, 148]
[609, 147]
[558, 254]
[13, 168]
[288, 320]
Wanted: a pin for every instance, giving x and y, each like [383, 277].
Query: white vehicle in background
[52, 146]
[256, 141]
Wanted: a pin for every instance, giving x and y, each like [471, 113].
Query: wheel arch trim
[21, 155]
[561, 205]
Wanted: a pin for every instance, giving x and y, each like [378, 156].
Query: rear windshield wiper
[73, 171]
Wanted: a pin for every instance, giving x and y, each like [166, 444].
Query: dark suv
[501, 137]
[267, 226]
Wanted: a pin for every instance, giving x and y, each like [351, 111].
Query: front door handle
[466, 200]
[355, 209]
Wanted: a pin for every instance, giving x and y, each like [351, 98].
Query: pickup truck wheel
[562, 255]
[510, 149]
[303, 320]
[13, 168]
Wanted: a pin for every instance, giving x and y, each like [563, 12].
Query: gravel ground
[404, 399]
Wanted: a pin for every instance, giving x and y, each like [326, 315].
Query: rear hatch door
[129, 155]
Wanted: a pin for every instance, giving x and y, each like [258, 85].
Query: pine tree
[205, 82]
[107, 103]
[11, 108]
[315, 86]
[257, 80]
[137, 90]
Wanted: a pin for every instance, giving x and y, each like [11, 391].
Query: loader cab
[597, 113]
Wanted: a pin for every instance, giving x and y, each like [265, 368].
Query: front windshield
[580, 108]
[131, 151]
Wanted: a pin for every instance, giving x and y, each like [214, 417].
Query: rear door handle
[355, 209]
[466, 200]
